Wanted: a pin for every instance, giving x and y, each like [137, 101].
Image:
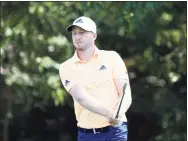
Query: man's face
[82, 39]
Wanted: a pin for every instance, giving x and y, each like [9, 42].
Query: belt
[96, 130]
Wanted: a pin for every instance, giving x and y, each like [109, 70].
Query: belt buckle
[94, 131]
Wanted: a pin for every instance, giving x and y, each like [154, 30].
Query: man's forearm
[95, 106]
[80, 94]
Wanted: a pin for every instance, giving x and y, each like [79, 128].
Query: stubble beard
[83, 48]
[80, 49]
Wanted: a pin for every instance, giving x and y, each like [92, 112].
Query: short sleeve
[118, 67]
[66, 78]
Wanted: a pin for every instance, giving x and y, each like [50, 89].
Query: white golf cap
[85, 23]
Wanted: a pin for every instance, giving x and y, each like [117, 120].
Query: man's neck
[87, 54]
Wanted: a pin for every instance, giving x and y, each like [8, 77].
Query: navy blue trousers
[119, 133]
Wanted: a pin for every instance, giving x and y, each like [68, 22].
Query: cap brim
[69, 28]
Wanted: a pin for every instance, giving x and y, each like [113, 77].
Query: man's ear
[95, 36]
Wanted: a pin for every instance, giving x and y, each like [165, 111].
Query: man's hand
[112, 120]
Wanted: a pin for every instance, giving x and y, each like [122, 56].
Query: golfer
[96, 80]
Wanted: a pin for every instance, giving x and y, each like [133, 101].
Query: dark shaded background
[149, 36]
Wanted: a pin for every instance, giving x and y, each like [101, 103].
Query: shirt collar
[77, 59]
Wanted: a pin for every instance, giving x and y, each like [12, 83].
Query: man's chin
[79, 48]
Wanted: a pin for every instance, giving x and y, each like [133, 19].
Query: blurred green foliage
[150, 37]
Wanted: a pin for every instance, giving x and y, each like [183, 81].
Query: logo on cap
[66, 82]
[102, 67]
[79, 21]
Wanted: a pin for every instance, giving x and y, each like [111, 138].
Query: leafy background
[149, 36]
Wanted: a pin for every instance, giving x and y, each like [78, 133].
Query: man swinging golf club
[98, 82]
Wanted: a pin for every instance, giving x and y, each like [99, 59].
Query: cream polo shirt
[97, 75]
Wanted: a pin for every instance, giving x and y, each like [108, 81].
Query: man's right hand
[112, 120]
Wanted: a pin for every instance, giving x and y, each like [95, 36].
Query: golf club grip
[120, 101]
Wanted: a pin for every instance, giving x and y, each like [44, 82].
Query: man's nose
[77, 36]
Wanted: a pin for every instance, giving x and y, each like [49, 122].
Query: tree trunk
[5, 105]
